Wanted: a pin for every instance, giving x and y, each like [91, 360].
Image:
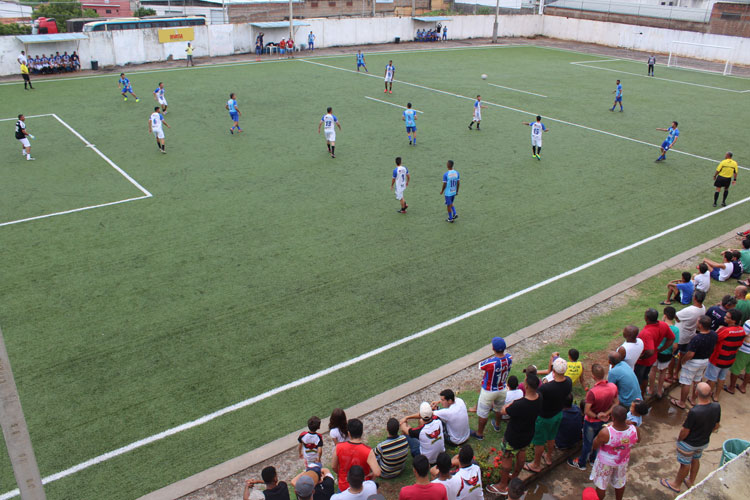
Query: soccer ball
[484, 77]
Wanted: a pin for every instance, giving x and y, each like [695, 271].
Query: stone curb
[282, 444]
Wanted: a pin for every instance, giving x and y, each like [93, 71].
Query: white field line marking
[511, 88]
[386, 102]
[45, 216]
[322, 373]
[30, 116]
[248, 63]
[584, 65]
[524, 112]
[593, 61]
[111, 163]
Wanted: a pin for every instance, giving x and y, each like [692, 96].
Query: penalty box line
[345, 364]
[611, 134]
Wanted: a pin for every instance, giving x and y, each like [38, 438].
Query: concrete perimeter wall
[120, 48]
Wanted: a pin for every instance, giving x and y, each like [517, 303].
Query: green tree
[143, 11]
[61, 11]
[14, 29]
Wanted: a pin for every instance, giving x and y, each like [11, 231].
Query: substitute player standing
[477, 112]
[723, 177]
[451, 183]
[155, 122]
[537, 129]
[234, 114]
[23, 137]
[672, 134]
[390, 71]
[410, 117]
[618, 96]
[126, 88]
[159, 97]
[331, 122]
[400, 180]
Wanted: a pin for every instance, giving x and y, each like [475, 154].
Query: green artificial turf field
[260, 260]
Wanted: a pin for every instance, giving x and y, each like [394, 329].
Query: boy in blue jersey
[451, 183]
[234, 114]
[410, 117]
[361, 61]
[672, 134]
[126, 88]
[618, 96]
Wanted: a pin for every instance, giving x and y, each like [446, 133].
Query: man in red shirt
[290, 48]
[600, 400]
[729, 341]
[282, 47]
[423, 489]
[354, 452]
[652, 336]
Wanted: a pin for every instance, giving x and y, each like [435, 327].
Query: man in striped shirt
[492, 395]
[729, 340]
[391, 454]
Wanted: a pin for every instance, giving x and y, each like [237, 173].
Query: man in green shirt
[743, 306]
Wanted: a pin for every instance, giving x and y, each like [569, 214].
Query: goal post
[700, 56]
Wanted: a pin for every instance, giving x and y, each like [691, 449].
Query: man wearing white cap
[553, 395]
[426, 439]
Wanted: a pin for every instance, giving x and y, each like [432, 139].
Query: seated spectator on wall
[312, 485]
[391, 454]
[702, 279]
[427, 438]
[75, 61]
[738, 267]
[721, 271]
[358, 488]
[571, 425]
[66, 61]
[454, 416]
[680, 290]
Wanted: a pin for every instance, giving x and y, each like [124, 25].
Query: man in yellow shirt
[26, 77]
[189, 51]
[723, 177]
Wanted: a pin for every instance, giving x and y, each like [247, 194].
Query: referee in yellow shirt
[26, 77]
[723, 177]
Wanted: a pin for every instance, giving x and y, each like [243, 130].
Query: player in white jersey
[331, 122]
[155, 122]
[23, 137]
[400, 181]
[159, 97]
[390, 71]
[537, 129]
[477, 112]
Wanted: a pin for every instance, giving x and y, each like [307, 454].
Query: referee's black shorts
[722, 182]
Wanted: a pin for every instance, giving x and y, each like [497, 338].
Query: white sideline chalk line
[584, 65]
[524, 112]
[30, 116]
[45, 216]
[344, 364]
[517, 90]
[110, 162]
[386, 102]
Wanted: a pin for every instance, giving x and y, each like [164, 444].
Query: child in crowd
[529, 370]
[310, 446]
[737, 268]
[638, 410]
[680, 290]
[574, 370]
[702, 279]
[337, 426]
[513, 392]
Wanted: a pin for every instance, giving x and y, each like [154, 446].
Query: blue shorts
[235, 116]
[449, 199]
[282, 51]
[127, 89]
[686, 453]
[618, 99]
[411, 129]
[360, 64]
[666, 145]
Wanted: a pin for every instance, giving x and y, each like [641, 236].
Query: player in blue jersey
[159, 97]
[234, 114]
[451, 183]
[672, 134]
[124, 83]
[618, 96]
[361, 61]
[410, 117]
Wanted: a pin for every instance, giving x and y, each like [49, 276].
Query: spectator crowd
[696, 347]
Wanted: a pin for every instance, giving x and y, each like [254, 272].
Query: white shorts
[477, 116]
[605, 475]
[158, 133]
[400, 193]
[662, 366]
[162, 101]
[692, 371]
[490, 400]
[331, 135]
[25, 142]
[536, 141]
[389, 79]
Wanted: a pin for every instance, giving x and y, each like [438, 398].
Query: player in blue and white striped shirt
[410, 117]
[672, 134]
[126, 88]
[159, 97]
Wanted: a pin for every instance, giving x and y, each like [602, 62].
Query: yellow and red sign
[167, 35]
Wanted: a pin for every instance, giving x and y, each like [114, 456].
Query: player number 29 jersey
[329, 122]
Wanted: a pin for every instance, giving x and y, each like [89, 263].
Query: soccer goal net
[700, 57]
